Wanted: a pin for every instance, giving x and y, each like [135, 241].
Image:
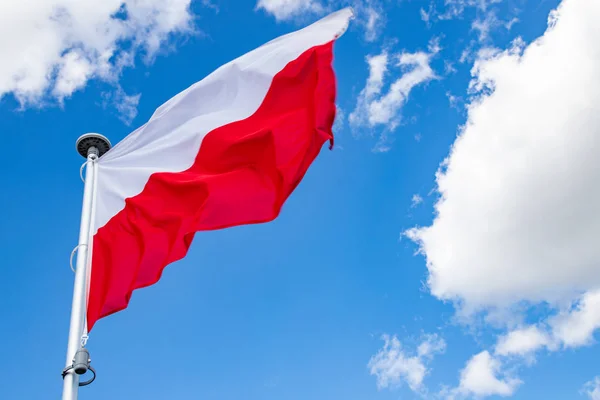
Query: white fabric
[170, 140]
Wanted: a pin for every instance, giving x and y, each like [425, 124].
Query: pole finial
[89, 140]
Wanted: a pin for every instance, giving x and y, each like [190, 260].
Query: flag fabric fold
[227, 151]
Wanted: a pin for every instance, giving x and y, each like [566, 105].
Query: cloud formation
[482, 377]
[416, 200]
[392, 365]
[571, 327]
[126, 105]
[518, 215]
[369, 14]
[284, 10]
[57, 46]
[376, 107]
[592, 389]
[522, 341]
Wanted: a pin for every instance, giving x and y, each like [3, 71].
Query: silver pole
[78, 307]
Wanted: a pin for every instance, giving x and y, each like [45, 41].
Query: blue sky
[445, 249]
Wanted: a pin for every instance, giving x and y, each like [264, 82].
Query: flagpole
[91, 146]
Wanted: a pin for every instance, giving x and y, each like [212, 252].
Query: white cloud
[56, 46]
[518, 216]
[416, 200]
[592, 389]
[426, 15]
[483, 376]
[467, 53]
[373, 23]
[485, 25]
[576, 327]
[449, 67]
[211, 5]
[510, 23]
[74, 71]
[519, 210]
[368, 13]
[377, 71]
[522, 341]
[287, 9]
[126, 105]
[431, 345]
[384, 109]
[340, 117]
[453, 100]
[378, 66]
[376, 108]
[455, 8]
[571, 327]
[392, 365]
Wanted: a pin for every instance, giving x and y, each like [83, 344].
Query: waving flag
[227, 151]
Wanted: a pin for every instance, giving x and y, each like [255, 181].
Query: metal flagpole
[91, 146]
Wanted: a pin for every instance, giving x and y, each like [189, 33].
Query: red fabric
[243, 173]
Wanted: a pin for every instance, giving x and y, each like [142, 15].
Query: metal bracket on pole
[81, 365]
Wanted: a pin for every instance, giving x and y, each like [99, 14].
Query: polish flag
[227, 151]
